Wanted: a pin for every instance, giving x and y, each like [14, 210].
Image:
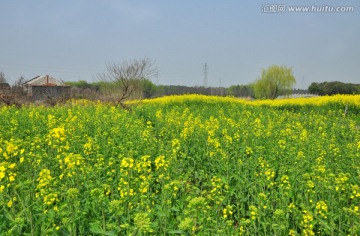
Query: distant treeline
[147, 89]
[336, 87]
[164, 90]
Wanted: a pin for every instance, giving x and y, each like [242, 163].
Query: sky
[74, 40]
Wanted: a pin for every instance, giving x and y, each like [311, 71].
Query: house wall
[49, 92]
[5, 92]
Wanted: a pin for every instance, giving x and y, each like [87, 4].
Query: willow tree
[274, 81]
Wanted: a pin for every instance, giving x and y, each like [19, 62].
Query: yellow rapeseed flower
[2, 175]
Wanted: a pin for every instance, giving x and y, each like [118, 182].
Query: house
[5, 89]
[45, 87]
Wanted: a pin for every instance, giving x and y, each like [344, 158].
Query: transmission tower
[205, 75]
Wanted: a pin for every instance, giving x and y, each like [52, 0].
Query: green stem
[103, 220]
[28, 214]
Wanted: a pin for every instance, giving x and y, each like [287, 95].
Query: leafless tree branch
[125, 76]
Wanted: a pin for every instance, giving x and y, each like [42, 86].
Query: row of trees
[336, 87]
[146, 89]
[136, 89]
[274, 81]
[132, 79]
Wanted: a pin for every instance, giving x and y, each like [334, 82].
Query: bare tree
[2, 77]
[8, 96]
[17, 87]
[123, 79]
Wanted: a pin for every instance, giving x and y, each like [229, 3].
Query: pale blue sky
[74, 39]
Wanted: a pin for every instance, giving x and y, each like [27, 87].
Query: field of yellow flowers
[189, 165]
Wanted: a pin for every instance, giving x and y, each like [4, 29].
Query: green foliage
[165, 90]
[336, 87]
[80, 84]
[315, 88]
[148, 88]
[144, 87]
[240, 91]
[274, 81]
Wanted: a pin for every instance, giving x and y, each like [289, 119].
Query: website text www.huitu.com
[281, 8]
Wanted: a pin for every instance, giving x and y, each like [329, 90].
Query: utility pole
[205, 75]
[220, 88]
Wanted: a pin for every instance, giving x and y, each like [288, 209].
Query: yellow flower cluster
[227, 211]
[253, 212]
[284, 182]
[57, 135]
[307, 223]
[321, 209]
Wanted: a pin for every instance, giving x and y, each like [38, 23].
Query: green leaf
[96, 228]
[8, 215]
[175, 208]
[175, 232]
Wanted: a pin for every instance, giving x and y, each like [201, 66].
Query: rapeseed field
[183, 165]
